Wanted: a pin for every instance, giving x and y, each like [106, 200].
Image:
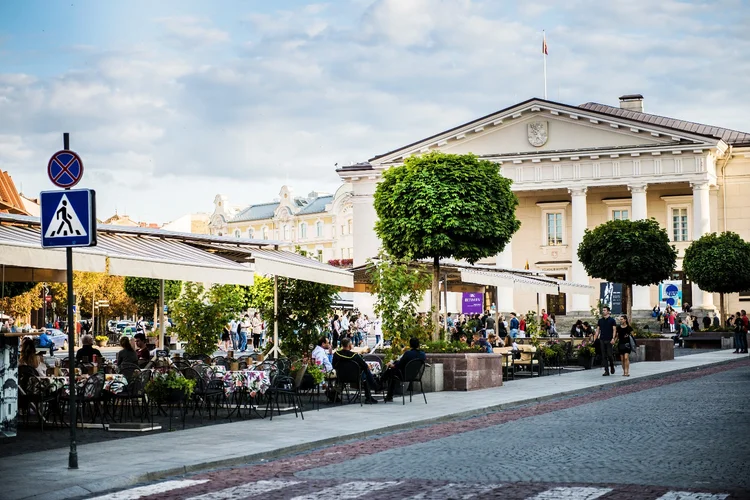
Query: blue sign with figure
[68, 218]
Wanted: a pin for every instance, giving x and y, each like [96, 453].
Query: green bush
[442, 346]
[159, 387]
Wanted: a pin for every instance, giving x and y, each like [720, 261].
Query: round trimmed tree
[629, 252]
[440, 206]
[719, 263]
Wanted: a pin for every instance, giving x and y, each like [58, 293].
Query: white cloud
[191, 31]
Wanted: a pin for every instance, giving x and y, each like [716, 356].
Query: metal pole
[276, 349]
[161, 314]
[73, 455]
[445, 303]
[93, 312]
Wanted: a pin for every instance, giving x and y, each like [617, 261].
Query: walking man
[605, 332]
[242, 332]
[233, 326]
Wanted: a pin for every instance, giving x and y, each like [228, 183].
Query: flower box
[469, 371]
[657, 349]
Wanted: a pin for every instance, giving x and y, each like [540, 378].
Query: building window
[264, 231]
[320, 255]
[679, 223]
[250, 233]
[303, 230]
[319, 229]
[554, 228]
[237, 233]
[620, 214]
[349, 226]
[285, 232]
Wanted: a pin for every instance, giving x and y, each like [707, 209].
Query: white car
[58, 337]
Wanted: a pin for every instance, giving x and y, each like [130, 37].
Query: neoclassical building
[575, 167]
[320, 224]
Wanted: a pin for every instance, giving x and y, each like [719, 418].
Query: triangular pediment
[546, 128]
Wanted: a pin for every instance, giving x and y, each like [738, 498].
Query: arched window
[319, 229]
[237, 233]
[250, 233]
[303, 230]
[285, 232]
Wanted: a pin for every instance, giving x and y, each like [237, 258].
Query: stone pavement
[129, 461]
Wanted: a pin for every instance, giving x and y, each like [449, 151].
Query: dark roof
[317, 205]
[727, 135]
[732, 137]
[256, 212]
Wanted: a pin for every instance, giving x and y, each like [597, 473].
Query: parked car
[122, 325]
[58, 338]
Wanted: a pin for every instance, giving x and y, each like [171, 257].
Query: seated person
[346, 353]
[464, 339]
[320, 355]
[480, 341]
[127, 353]
[29, 357]
[397, 367]
[577, 329]
[495, 341]
[144, 355]
[86, 353]
[45, 341]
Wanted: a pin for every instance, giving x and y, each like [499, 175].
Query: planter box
[469, 371]
[433, 378]
[727, 343]
[657, 349]
[640, 354]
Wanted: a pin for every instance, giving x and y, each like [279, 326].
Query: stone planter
[657, 349]
[433, 378]
[639, 354]
[586, 362]
[469, 371]
[727, 343]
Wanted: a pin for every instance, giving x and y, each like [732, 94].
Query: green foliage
[449, 347]
[159, 387]
[200, 315]
[719, 263]
[145, 292]
[303, 309]
[14, 289]
[553, 349]
[585, 350]
[532, 327]
[442, 205]
[398, 291]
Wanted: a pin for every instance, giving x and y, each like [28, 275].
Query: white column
[701, 226]
[639, 211]
[504, 293]
[580, 303]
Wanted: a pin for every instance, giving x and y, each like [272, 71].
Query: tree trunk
[722, 312]
[436, 299]
[629, 302]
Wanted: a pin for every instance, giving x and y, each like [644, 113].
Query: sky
[172, 102]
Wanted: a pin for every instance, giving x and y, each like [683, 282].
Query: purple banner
[472, 303]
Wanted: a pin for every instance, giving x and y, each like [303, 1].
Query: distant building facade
[196, 223]
[576, 167]
[320, 224]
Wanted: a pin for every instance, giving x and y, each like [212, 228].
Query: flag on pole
[544, 45]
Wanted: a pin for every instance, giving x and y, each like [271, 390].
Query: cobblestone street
[681, 437]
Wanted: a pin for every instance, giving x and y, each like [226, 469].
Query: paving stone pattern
[690, 434]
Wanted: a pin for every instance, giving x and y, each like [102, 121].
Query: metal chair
[412, 374]
[349, 375]
[287, 388]
[204, 391]
[128, 369]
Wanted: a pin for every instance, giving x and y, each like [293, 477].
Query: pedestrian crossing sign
[68, 218]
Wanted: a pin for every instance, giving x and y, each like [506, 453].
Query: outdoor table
[242, 384]
[114, 383]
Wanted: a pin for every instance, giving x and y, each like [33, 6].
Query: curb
[255, 457]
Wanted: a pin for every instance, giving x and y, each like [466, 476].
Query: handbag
[633, 344]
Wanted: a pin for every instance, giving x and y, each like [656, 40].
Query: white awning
[503, 279]
[124, 255]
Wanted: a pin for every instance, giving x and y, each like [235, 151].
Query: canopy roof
[153, 253]
[462, 276]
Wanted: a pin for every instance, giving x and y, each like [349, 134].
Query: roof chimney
[632, 102]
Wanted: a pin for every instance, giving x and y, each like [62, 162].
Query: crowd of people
[355, 327]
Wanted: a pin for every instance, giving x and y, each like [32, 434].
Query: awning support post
[445, 304]
[162, 328]
[275, 350]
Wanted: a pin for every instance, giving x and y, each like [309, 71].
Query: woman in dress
[624, 331]
[226, 336]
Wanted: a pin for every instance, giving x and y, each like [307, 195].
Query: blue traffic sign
[65, 169]
[68, 218]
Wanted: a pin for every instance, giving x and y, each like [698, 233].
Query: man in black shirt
[605, 332]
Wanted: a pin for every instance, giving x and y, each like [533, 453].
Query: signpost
[68, 220]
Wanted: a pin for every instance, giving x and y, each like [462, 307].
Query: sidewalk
[44, 475]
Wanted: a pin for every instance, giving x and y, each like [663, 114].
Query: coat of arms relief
[538, 133]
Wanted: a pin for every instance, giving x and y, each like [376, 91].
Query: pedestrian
[672, 319]
[605, 333]
[740, 332]
[242, 330]
[257, 329]
[234, 325]
[624, 331]
[377, 330]
[335, 331]
[226, 336]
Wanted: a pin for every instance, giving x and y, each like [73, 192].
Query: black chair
[200, 357]
[205, 390]
[134, 395]
[412, 374]
[181, 364]
[349, 375]
[89, 395]
[128, 369]
[287, 388]
[220, 361]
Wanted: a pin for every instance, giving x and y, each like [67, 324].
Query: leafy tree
[629, 252]
[719, 263]
[398, 290]
[145, 292]
[15, 288]
[303, 310]
[199, 315]
[440, 205]
[20, 305]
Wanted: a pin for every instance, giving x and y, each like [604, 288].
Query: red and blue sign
[65, 169]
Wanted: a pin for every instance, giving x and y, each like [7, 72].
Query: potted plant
[170, 387]
[586, 354]
[101, 340]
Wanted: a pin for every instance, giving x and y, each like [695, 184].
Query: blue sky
[173, 101]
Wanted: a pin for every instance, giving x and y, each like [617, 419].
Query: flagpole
[544, 52]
